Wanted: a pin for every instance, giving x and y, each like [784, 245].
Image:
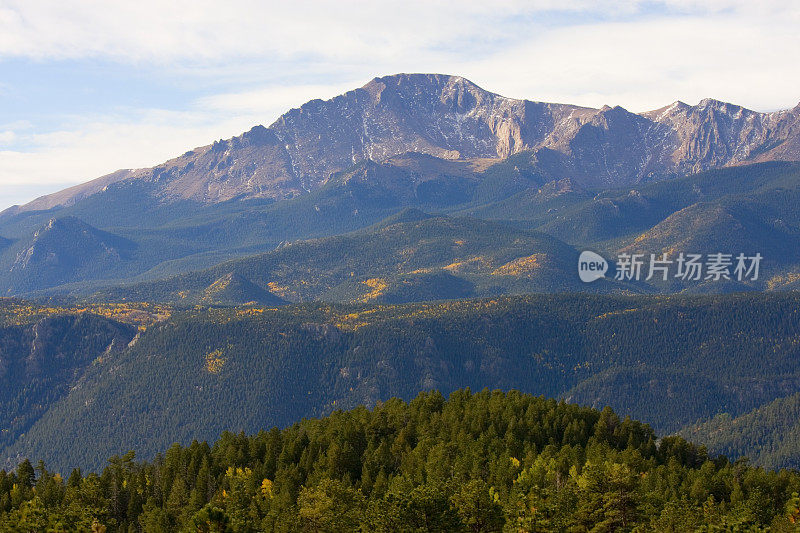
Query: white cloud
[93, 148]
[345, 31]
[204, 29]
[650, 63]
[271, 102]
[7, 137]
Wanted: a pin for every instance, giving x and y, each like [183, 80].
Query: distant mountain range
[705, 178]
[451, 118]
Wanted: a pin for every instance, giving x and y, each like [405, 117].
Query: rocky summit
[451, 118]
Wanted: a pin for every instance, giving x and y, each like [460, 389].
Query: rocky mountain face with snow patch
[451, 118]
[716, 134]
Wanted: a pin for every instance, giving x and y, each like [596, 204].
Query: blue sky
[88, 87]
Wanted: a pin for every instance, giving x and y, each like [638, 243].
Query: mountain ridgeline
[451, 118]
[713, 177]
[371, 227]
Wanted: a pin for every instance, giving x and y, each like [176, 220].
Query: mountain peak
[675, 108]
[706, 102]
[449, 117]
[422, 80]
[430, 92]
[67, 248]
[711, 103]
[64, 223]
[233, 289]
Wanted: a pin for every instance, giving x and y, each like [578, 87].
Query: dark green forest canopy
[489, 461]
[769, 435]
[668, 361]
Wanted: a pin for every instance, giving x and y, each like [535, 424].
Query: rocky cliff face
[449, 117]
[714, 134]
[444, 116]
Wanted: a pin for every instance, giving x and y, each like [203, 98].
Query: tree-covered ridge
[733, 210]
[17, 312]
[41, 361]
[769, 435]
[490, 461]
[669, 361]
[518, 245]
[410, 257]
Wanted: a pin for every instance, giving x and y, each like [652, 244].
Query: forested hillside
[41, 360]
[415, 225]
[473, 462]
[769, 435]
[668, 361]
[530, 244]
[409, 257]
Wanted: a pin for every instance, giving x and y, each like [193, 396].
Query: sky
[91, 86]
